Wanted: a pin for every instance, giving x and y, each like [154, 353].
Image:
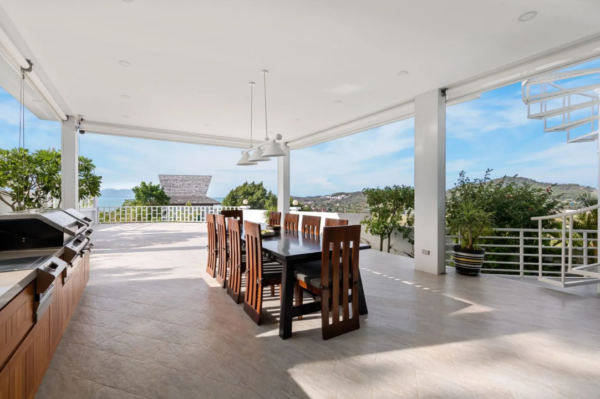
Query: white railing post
[585, 248]
[570, 243]
[521, 253]
[540, 248]
[562, 250]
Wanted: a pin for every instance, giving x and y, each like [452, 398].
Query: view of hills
[124, 193]
[355, 202]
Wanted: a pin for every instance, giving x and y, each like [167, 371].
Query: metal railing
[572, 272]
[521, 252]
[158, 214]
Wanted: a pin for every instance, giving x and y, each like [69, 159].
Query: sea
[114, 202]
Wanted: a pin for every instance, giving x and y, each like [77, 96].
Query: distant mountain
[125, 193]
[337, 202]
[567, 192]
[356, 203]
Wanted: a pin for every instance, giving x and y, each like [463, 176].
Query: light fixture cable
[251, 112]
[265, 72]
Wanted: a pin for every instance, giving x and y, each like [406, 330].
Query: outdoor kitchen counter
[12, 283]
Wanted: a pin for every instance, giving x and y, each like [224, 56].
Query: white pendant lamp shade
[257, 156]
[245, 160]
[274, 150]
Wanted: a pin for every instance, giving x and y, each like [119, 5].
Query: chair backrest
[335, 222]
[254, 269]
[290, 221]
[234, 282]
[341, 280]
[239, 215]
[211, 264]
[222, 249]
[311, 225]
[274, 219]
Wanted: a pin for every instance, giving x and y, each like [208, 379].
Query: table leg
[287, 300]
[362, 301]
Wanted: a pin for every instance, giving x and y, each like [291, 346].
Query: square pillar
[430, 182]
[69, 164]
[283, 181]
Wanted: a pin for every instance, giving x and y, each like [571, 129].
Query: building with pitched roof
[187, 188]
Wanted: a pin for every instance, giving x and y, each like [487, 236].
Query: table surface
[294, 245]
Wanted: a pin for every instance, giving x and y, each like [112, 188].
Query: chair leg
[299, 296]
[272, 290]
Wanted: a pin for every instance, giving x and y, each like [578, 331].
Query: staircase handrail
[567, 213]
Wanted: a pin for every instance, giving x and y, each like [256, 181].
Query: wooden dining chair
[222, 255]
[311, 225]
[237, 260]
[275, 218]
[239, 215]
[290, 221]
[257, 275]
[335, 222]
[211, 264]
[336, 283]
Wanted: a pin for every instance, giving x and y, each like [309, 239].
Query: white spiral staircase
[567, 101]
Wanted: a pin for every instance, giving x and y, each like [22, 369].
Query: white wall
[399, 246]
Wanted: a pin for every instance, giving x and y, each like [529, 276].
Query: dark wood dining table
[291, 248]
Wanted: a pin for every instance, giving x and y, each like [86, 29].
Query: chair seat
[310, 273]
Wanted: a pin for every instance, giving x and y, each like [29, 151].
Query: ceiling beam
[159, 134]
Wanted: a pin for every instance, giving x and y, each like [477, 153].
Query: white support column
[283, 181]
[70, 164]
[430, 182]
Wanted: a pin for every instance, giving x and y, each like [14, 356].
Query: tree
[257, 195]
[391, 209]
[30, 179]
[587, 220]
[148, 194]
[513, 205]
[89, 182]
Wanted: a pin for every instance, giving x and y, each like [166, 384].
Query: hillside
[565, 192]
[336, 202]
[125, 193]
[355, 202]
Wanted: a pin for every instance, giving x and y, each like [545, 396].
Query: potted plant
[468, 222]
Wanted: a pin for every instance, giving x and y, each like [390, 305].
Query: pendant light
[245, 160]
[257, 155]
[273, 149]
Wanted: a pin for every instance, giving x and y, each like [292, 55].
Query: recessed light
[125, 116]
[125, 63]
[206, 124]
[402, 73]
[337, 101]
[125, 96]
[528, 16]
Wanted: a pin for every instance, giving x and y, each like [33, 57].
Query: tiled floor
[151, 324]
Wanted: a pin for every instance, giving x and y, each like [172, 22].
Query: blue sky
[490, 132]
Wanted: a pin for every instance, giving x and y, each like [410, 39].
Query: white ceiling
[192, 59]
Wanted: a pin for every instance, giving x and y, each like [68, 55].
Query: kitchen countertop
[11, 283]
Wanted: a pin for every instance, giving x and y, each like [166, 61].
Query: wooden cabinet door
[41, 348]
[86, 268]
[22, 371]
[55, 317]
[15, 321]
[65, 304]
[5, 383]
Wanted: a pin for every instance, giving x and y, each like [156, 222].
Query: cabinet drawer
[15, 321]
